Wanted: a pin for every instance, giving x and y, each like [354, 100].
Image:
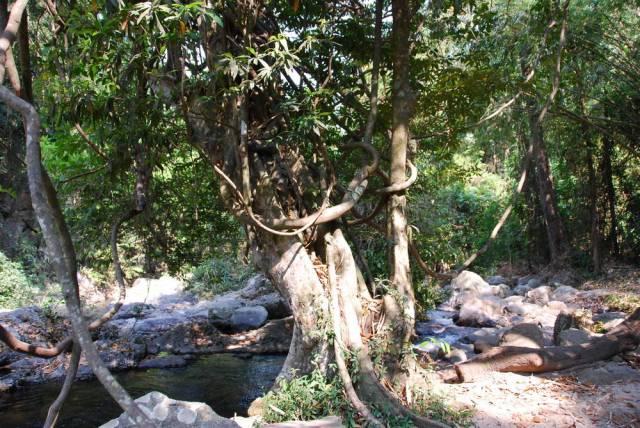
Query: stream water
[226, 382]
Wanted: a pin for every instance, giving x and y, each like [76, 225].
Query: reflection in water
[225, 382]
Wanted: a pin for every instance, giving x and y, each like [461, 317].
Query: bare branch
[91, 144]
[10, 32]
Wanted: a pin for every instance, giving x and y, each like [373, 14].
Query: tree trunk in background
[25, 59]
[596, 256]
[17, 219]
[400, 308]
[556, 235]
[607, 175]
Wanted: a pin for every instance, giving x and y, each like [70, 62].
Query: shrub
[16, 287]
[217, 276]
[306, 398]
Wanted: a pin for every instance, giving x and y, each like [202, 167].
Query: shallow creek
[226, 382]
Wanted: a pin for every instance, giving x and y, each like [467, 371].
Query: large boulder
[522, 308]
[526, 335]
[501, 290]
[168, 413]
[564, 293]
[470, 282]
[540, 295]
[260, 291]
[574, 336]
[480, 311]
[248, 318]
[496, 280]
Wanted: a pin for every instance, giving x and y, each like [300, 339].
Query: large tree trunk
[292, 271]
[400, 305]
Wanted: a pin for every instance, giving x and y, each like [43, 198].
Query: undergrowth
[622, 302]
[313, 396]
[17, 286]
[216, 276]
[307, 397]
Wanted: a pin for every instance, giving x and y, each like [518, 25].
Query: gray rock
[163, 362]
[522, 289]
[539, 295]
[496, 280]
[469, 281]
[523, 280]
[526, 335]
[523, 309]
[484, 311]
[223, 307]
[501, 290]
[248, 318]
[168, 413]
[513, 299]
[159, 324]
[487, 334]
[574, 336]
[534, 283]
[564, 293]
[557, 306]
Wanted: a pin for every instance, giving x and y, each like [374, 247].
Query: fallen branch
[622, 338]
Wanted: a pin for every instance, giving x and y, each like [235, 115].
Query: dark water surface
[225, 382]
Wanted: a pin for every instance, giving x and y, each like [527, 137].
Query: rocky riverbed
[480, 312]
[486, 312]
[160, 325]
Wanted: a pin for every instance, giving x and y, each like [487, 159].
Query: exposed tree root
[624, 337]
[338, 344]
[54, 409]
[368, 385]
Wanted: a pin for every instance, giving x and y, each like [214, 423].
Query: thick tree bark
[623, 338]
[292, 271]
